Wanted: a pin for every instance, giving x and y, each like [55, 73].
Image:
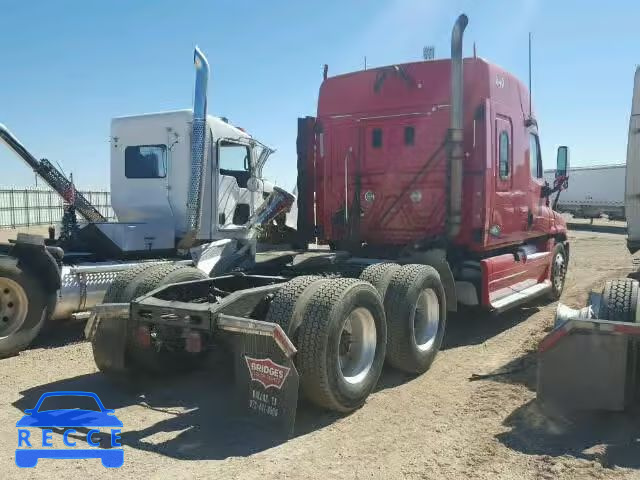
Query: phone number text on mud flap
[263, 403]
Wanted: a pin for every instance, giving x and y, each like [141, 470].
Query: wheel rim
[558, 271]
[13, 306]
[357, 347]
[426, 319]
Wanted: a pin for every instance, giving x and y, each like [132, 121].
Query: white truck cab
[151, 168]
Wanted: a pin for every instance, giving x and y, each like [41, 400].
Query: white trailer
[632, 185]
[593, 191]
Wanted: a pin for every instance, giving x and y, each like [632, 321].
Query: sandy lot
[6, 233]
[439, 425]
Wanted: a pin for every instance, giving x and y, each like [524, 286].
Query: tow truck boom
[54, 177]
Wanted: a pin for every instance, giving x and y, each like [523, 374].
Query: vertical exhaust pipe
[198, 148]
[455, 134]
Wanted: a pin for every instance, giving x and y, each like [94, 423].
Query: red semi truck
[426, 181]
[410, 162]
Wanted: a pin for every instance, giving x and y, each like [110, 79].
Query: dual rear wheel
[344, 329]
[416, 308]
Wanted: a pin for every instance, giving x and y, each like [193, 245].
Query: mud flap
[106, 329]
[589, 364]
[266, 380]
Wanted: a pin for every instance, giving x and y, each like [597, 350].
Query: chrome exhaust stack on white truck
[199, 139]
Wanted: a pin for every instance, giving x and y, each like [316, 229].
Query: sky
[68, 67]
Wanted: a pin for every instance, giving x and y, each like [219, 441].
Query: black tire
[151, 278]
[559, 265]
[22, 291]
[184, 274]
[287, 306]
[410, 347]
[619, 300]
[321, 339]
[151, 360]
[379, 275]
[116, 291]
[115, 294]
[131, 284]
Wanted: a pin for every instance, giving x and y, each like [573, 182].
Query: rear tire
[416, 310]
[24, 308]
[379, 275]
[151, 278]
[619, 300]
[115, 294]
[342, 343]
[116, 291]
[131, 284]
[287, 306]
[152, 360]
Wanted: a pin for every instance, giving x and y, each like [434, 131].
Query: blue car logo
[41, 417]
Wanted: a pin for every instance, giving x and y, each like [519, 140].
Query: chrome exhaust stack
[455, 134]
[198, 149]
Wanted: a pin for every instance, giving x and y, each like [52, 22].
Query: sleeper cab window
[376, 138]
[145, 161]
[503, 155]
[409, 136]
[535, 162]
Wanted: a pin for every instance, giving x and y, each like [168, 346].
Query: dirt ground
[439, 425]
[6, 234]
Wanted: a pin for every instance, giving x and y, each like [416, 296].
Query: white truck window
[233, 157]
[145, 161]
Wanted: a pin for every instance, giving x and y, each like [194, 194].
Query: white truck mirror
[254, 185]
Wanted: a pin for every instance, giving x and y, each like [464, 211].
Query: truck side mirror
[562, 161]
[255, 185]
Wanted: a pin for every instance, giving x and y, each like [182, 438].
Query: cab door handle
[529, 218]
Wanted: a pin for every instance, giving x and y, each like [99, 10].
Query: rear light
[193, 342]
[143, 336]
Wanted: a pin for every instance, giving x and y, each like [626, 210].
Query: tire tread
[619, 299]
[284, 302]
[379, 275]
[313, 336]
[408, 277]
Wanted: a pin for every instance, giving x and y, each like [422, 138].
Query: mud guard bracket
[266, 380]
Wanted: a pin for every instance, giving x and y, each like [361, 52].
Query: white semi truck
[594, 191]
[187, 191]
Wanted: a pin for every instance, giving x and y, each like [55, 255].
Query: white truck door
[632, 187]
[139, 193]
[234, 167]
